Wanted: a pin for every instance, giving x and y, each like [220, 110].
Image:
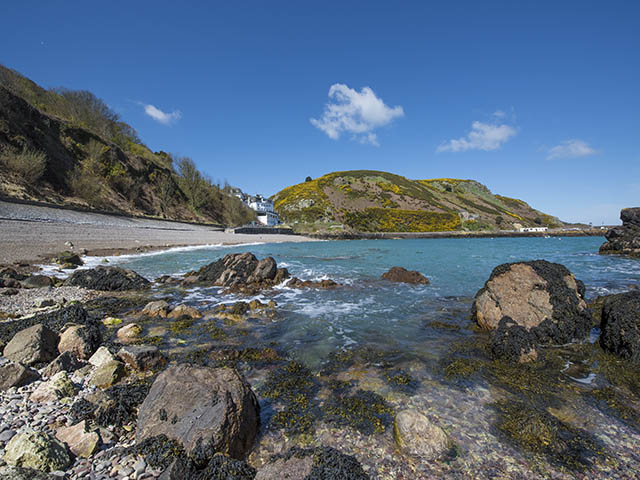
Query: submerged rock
[418, 436]
[185, 310]
[37, 450]
[33, 345]
[68, 257]
[624, 239]
[402, 275]
[207, 410]
[620, 325]
[13, 374]
[324, 284]
[311, 464]
[543, 297]
[108, 279]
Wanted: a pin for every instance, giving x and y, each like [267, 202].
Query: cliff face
[372, 201]
[624, 239]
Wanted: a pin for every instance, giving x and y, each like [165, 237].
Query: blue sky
[538, 100]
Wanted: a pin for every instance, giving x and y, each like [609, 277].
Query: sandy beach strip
[31, 233]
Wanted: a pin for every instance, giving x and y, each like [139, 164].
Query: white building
[534, 229]
[264, 210]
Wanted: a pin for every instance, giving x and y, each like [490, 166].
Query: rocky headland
[624, 239]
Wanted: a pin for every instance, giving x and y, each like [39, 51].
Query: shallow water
[420, 330]
[375, 312]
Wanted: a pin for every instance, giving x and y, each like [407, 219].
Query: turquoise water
[368, 310]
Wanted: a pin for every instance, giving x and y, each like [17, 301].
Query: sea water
[371, 311]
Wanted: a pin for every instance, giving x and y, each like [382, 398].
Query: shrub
[29, 164]
[86, 181]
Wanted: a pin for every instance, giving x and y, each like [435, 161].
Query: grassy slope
[133, 179]
[372, 201]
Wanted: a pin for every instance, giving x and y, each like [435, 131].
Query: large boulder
[65, 362]
[110, 279]
[402, 275]
[206, 410]
[312, 463]
[81, 340]
[513, 342]
[158, 308]
[67, 257]
[13, 374]
[37, 450]
[544, 298]
[240, 271]
[620, 325]
[416, 435]
[34, 345]
[81, 441]
[624, 239]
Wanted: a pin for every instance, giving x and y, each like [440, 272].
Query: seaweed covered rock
[34, 345]
[624, 239]
[55, 320]
[543, 297]
[402, 275]
[312, 464]
[219, 467]
[240, 271]
[57, 387]
[18, 473]
[207, 410]
[418, 436]
[81, 340]
[110, 279]
[620, 325]
[68, 257]
[37, 450]
[513, 342]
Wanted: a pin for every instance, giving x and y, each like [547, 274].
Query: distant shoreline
[593, 232]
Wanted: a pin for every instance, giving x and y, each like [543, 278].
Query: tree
[499, 220]
[192, 183]
[308, 179]
[537, 221]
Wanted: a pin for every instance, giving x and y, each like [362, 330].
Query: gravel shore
[30, 233]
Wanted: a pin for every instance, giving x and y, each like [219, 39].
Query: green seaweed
[364, 411]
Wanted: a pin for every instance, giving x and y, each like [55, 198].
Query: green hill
[69, 148]
[371, 201]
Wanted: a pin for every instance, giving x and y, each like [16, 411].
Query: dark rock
[240, 272]
[543, 297]
[68, 257]
[624, 239]
[10, 273]
[65, 362]
[142, 357]
[111, 279]
[207, 410]
[324, 284]
[399, 274]
[34, 345]
[55, 321]
[312, 464]
[10, 291]
[37, 281]
[219, 467]
[12, 374]
[620, 325]
[513, 342]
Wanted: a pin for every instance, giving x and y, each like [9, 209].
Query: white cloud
[160, 116]
[500, 114]
[483, 136]
[358, 113]
[571, 149]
